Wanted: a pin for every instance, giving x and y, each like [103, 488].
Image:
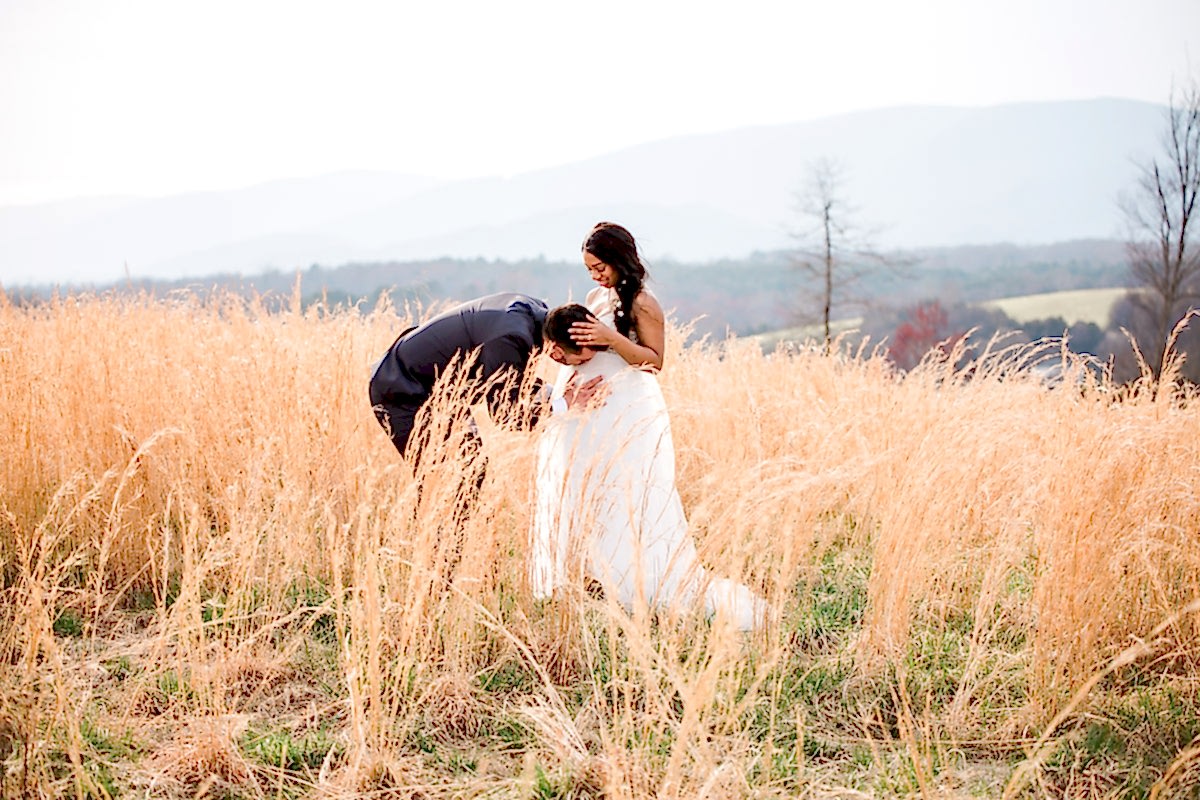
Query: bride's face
[601, 273]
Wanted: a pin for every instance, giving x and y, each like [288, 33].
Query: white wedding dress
[606, 499]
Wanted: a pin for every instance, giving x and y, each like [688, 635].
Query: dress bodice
[602, 301]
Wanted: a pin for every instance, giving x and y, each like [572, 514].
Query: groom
[496, 335]
[561, 347]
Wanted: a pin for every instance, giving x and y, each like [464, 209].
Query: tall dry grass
[219, 578]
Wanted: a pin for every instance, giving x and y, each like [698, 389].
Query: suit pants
[400, 420]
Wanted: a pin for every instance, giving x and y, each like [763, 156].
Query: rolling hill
[927, 177]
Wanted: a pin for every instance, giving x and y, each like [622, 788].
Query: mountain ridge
[1026, 173]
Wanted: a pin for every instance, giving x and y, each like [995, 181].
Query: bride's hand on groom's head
[591, 334]
[583, 395]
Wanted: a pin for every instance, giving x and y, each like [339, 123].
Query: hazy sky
[159, 96]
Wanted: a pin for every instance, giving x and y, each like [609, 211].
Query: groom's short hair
[557, 328]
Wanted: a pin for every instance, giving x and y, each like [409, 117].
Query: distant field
[806, 333]
[1079, 305]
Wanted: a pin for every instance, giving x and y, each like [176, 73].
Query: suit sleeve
[502, 364]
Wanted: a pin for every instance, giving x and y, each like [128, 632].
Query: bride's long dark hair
[615, 246]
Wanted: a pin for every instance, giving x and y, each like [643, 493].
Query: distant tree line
[744, 296]
[936, 299]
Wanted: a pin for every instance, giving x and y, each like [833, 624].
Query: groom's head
[557, 333]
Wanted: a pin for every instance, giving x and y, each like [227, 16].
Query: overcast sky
[157, 96]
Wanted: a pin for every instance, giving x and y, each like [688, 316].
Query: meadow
[219, 579]
[1076, 305]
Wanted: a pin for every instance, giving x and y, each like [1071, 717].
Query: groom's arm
[501, 363]
[513, 406]
[581, 396]
[515, 402]
[513, 399]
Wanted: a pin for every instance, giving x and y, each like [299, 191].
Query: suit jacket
[499, 331]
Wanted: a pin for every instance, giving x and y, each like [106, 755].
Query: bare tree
[1164, 256]
[833, 253]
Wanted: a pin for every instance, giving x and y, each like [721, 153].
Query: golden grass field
[218, 582]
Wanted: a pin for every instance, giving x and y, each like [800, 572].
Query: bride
[606, 497]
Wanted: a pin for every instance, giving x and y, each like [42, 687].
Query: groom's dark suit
[499, 332]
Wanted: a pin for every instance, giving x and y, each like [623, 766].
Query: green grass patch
[511, 734]
[309, 594]
[291, 751]
[68, 623]
[104, 742]
[1128, 740]
[509, 676]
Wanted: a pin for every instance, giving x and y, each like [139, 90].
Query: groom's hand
[582, 395]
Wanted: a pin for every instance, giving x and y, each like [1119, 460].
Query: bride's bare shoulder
[647, 301]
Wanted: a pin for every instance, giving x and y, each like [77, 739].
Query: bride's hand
[594, 334]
